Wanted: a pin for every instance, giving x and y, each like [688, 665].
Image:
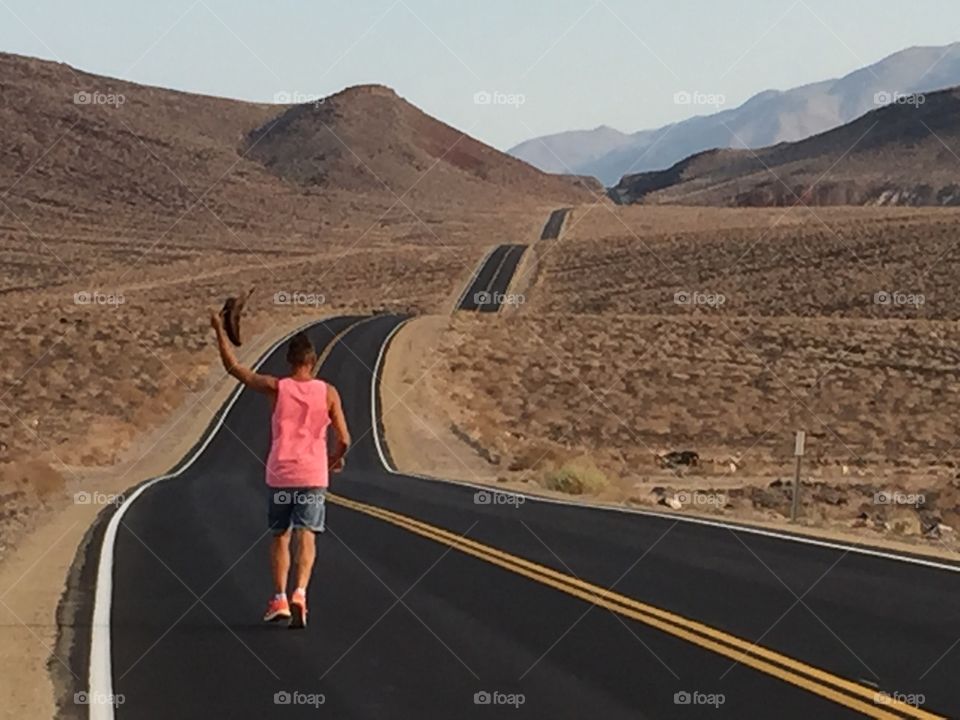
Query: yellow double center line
[839, 690]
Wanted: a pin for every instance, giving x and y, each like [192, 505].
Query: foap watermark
[888, 97]
[97, 297]
[295, 697]
[286, 497]
[495, 97]
[696, 697]
[695, 97]
[696, 298]
[496, 697]
[295, 97]
[96, 497]
[282, 297]
[98, 98]
[899, 299]
[492, 497]
[702, 499]
[883, 697]
[897, 497]
[497, 298]
[97, 698]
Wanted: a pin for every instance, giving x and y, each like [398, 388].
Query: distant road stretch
[488, 290]
[551, 231]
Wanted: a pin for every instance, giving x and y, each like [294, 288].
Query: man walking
[298, 465]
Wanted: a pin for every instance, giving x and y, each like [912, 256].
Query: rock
[674, 503]
[830, 495]
[679, 458]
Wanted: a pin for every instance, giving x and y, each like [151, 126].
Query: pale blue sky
[578, 63]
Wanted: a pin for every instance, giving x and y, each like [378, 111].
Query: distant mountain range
[767, 118]
[904, 153]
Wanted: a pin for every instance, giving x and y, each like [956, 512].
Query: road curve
[426, 596]
[487, 292]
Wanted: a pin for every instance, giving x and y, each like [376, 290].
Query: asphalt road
[551, 231]
[488, 291]
[427, 595]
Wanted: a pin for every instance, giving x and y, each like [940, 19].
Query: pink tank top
[298, 445]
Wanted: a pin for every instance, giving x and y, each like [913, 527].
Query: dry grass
[602, 362]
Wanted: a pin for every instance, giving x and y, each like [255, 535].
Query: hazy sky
[577, 63]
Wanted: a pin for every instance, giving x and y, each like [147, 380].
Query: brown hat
[231, 311]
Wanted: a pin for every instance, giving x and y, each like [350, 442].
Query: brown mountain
[84, 151]
[905, 153]
[368, 139]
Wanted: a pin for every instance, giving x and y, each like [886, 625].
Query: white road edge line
[100, 677]
[473, 278]
[374, 391]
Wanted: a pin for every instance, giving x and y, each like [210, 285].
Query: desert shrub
[578, 477]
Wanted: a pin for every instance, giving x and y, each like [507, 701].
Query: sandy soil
[602, 370]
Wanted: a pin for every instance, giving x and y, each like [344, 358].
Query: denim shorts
[298, 508]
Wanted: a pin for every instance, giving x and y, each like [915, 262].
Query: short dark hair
[301, 352]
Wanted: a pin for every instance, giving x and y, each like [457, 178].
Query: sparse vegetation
[577, 477]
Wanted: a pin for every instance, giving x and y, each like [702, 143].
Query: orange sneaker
[298, 607]
[277, 609]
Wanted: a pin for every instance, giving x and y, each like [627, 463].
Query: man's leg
[279, 509]
[308, 518]
[305, 554]
[280, 561]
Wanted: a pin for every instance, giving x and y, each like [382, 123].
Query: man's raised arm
[255, 381]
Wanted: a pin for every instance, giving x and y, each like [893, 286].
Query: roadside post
[798, 448]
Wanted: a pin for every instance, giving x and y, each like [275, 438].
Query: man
[298, 467]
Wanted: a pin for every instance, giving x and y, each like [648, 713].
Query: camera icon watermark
[890, 97]
[296, 97]
[883, 697]
[695, 697]
[83, 497]
[493, 497]
[496, 697]
[96, 297]
[283, 297]
[498, 298]
[486, 97]
[97, 698]
[899, 299]
[98, 98]
[702, 499]
[896, 497]
[295, 697]
[696, 298]
[695, 97]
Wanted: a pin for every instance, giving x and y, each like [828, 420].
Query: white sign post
[798, 448]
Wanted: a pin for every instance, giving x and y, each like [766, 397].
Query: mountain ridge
[768, 117]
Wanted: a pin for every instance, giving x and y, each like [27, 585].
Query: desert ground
[648, 330]
[95, 358]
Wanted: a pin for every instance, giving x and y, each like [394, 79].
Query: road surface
[488, 290]
[551, 231]
[431, 601]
